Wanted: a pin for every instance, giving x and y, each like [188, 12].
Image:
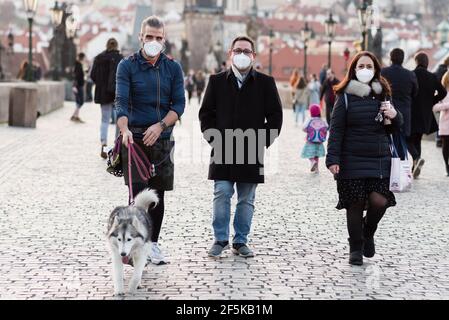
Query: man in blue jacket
[149, 100]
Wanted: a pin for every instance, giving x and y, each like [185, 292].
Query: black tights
[156, 214]
[354, 217]
[445, 147]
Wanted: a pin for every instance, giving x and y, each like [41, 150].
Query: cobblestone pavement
[55, 197]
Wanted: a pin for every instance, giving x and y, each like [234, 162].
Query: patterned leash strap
[144, 167]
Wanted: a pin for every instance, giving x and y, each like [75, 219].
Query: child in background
[316, 129]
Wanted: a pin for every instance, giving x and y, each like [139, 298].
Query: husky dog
[129, 232]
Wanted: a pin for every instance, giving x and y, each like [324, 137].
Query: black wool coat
[423, 120]
[257, 107]
[358, 143]
[405, 87]
[103, 74]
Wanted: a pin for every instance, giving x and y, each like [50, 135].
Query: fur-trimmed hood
[360, 89]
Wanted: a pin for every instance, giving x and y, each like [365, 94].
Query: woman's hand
[334, 169]
[389, 113]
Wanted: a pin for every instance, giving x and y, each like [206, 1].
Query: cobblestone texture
[55, 197]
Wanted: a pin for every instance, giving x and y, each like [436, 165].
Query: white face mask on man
[242, 61]
[364, 75]
[152, 48]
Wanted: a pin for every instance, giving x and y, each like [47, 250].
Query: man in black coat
[404, 86]
[327, 91]
[423, 120]
[240, 116]
[103, 74]
[442, 68]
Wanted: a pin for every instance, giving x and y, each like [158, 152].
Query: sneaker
[417, 169]
[156, 256]
[217, 248]
[76, 119]
[314, 167]
[242, 250]
[103, 153]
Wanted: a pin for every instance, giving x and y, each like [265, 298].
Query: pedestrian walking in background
[22, 74]
[423, 119]
[189, 84]
[300, 100]
[404, 87]
[241, 98]
[103, 74]
[323, 73]
[316, 130]
[327, 91]
[294, 79]
[441, 70]
[314, 90]
[443, 108]
[358, 153]
[78, 87]
[200, 84]
[150, 98]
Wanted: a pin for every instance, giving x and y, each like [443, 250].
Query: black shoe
[417, 169]
[369, 249]
[356, 258]
[355, 252]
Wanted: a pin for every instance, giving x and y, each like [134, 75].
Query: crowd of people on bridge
[357, 116]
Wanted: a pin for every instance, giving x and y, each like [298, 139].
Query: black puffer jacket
[357, 142]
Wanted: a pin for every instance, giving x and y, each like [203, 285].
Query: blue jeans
[106, 111]
[223, 191]
[300, 110]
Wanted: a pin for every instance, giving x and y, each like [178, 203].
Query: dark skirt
[161, 155]
[355, 190]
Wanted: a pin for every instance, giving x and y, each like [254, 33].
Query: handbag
[400, 173]
[114, 162]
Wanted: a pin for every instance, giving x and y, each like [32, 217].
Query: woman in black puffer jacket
[359, 154]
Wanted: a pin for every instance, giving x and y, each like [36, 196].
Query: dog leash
[144, 167]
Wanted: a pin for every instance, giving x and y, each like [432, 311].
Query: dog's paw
[119, 293]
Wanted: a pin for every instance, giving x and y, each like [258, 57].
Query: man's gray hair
[152, 21]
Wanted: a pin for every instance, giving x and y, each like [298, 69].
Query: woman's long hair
[302, 83]
[351, 75]
[294, 78]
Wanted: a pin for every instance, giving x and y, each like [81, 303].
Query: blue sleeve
[178, 99]
[122, 89]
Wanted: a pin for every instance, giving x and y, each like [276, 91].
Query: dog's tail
[146, 199]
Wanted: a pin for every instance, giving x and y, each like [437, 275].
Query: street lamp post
[306, 33]
[30, 8]
[57, 13]
[364, 12]
[270, 62]
[330, 25]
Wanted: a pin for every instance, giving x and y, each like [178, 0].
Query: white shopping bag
[400, 173]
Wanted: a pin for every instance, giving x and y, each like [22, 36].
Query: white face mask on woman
[364, 75]
[152, 48]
